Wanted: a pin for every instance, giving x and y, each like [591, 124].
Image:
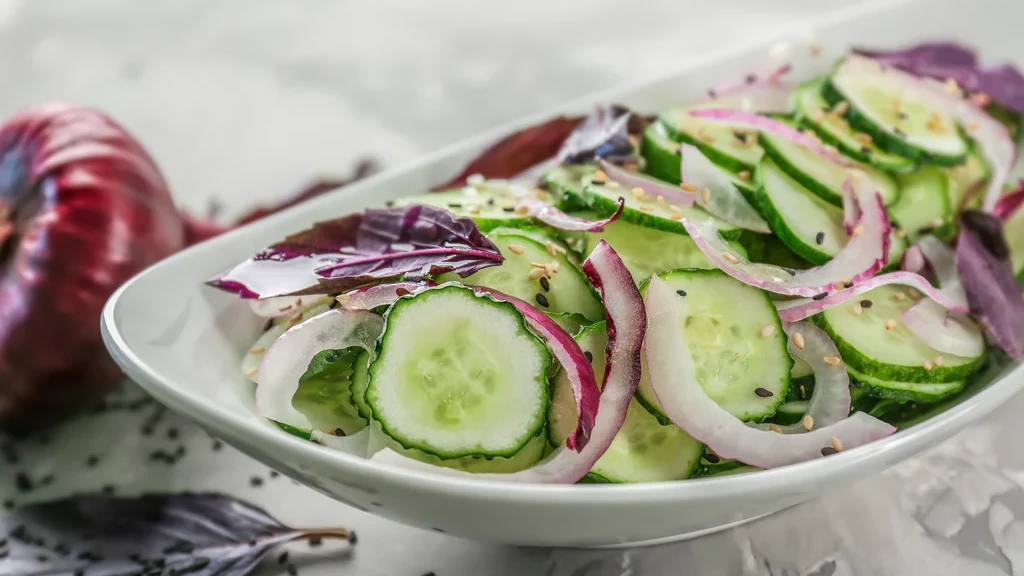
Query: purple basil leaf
[942, 60]
[603, 134]
[195, 534]
[983, 261]
[411, 243]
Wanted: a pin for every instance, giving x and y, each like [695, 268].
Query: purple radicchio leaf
[604, 134]
[943, 60]
[195, 534]
[983, 261]
[411, 243]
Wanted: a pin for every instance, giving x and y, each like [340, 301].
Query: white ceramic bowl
[182, 341]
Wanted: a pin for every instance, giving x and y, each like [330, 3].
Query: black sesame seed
[712, 93]
[352, 539]
[92, 461]
[866, 303]
[23, 483]
[681, 292]
[590, 357]
[256, 481]
[315, 542]
[274, 473]
[292, 570]
[819, 296]
[252, 542]
[542, 300]
[41, 558]
[764, 392]
[509, 209]
[751, 78]
[454, 205]
[108, 489]
[865, 150]
[819, 237]
[902, 115]
[390, 204]
[282, 558]
[545, 284]
[847, 283]
[712, 458]
[147, 431]
[172, 434]
[217, 445]
[899, 133]
[828, 451]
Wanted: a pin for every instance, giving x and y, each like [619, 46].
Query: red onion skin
[89, 209]
[83, 208]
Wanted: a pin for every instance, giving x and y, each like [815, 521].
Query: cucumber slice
[661, 160]
[718, 141]
[812, 110]
[1013, 228]
[893, 354]
[745, 373]
[898, 244]
[565, 184]
[323, 395]
[664, 216]
[924, 201]
[488, 207]
[567, 290]
[571, 322]
[790, 412]
[809, 226]
[458, 374]
[897, 120]
[647, 251]
[820, 176]
[357, 391]
[644, 450]
[921, 393]
[532, 453]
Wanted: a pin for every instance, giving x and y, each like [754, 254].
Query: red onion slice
[863, 256]
[913, 260]
[944, 330]
[942, 260]
[624, 313]
[548, 214]
[763, 98]
[371, 297]
[1009, 203]
[781, 129]
[288, 358]
[799, 309]
[671, 370]
[724, 200]
[652, 186]
[750, 80]
[830, 401]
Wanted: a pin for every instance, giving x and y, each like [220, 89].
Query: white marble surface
[242, 99]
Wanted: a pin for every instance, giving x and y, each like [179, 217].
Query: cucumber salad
[783, 270]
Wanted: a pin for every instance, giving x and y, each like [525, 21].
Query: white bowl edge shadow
[801, 478]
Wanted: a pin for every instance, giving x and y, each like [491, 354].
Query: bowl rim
[787, 478]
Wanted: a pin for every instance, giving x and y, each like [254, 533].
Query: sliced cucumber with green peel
[891, 353]
[567, 290]
[661, 157]
[920, 392]
[323, 395]
[644, 450]
[897, 120]
[813, 111]
[924, 201]
[488, 208]
[790, 412]
[718, 141]
[747, 374]
[565, 184]
[898, 244]
[967, 179]
[530, 454]
[660, 216]
[357, 391]
[647, 251]
[809, 226]
[824, 178]
[1013, 228]
[477, 386]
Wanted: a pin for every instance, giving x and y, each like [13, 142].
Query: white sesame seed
[688, 187]
[252, 372]
[522, 209]
[536, 273]
[858, 229]
[675, 216]
[516, 249]
[890, 324]
[343, 299]
[661, 200]
[798, 339]
[473, 209]
[899, 296]
[730, 257]
[257, 350]
[705, 195]
[285, 308]
[645, 208]
[927, 366]
[938, 360]
[614, 185]
[675, 209]
[767, 330]
[775, 428]
[537, 265]
[744, 175]
[937, 222]
[808, 422]
[832, 360]
[858, 309]
[837, 444]
[600, 177]
[638, 193]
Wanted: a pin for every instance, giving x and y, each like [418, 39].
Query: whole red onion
[83, 208]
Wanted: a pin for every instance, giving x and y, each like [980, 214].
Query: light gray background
[240, 100]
